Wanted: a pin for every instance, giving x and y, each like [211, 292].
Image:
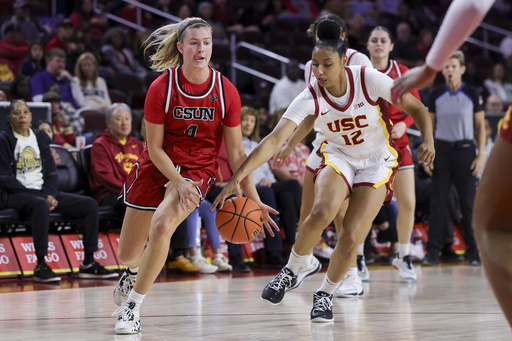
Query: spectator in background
[3, 96]
[263, 119]
[61, 39]
[305, 9]
[119, 56]
[223, 13]
[256, 16]
[499, 84]
[46, 127]
[493, 104]
[94, 87]
[459, 120]
[166, 6]
[55, 73]
[31, 188]
[20, 88]
[404, 51]
[29, 30]
[72, 115]
[184, 12]
[84, 16]
[356, 33]
[113, 154]
[205, 11]
[365, 8]
[425, 40]
[12, 47]
[34, 61]
[62, 130]
[288, 87]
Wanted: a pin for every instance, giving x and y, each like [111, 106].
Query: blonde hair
[165, 40]
[249, 111]
[459, 55]
[80, 74]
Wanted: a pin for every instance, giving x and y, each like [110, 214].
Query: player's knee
[126, 255]
[161, 226]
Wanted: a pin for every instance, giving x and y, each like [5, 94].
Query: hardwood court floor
[446, 303]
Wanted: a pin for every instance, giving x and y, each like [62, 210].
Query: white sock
[133, 270]
[328, 286]
[360, 250]
[404, 250]
[135, 298]
[295, 261]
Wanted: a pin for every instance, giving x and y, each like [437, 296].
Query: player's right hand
[281, 156]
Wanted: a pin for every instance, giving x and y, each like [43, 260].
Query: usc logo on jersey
[347, 123]
[194, 113]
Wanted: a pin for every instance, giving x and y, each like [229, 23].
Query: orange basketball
[239, 220]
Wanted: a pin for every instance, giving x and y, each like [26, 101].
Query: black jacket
[8, 182]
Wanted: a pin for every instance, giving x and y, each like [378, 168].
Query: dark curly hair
[328, 32]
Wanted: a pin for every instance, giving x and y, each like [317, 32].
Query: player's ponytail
[165, 39]
[328, 33]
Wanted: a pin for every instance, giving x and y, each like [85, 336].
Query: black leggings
[70, 206]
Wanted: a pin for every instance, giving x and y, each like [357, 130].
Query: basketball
[239, 220]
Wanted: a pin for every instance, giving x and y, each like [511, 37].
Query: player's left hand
[268, 222]
[426, 153]
[398, 130]
[231, 188]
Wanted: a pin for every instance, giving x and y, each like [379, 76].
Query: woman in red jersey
[187, 110]
[380, 44]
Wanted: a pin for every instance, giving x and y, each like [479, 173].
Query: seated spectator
[205, 11]
[425, 40]
[63, 133]
[46, 127]
[494, 105]
[73, 116]
[402, 51]
[118, 54]
[29, 30]
[20, 88]
[288, 87]
[55, 73]
[287, 195]
[256, 16]
[499, 84]
[84, 16]
[61, 39]
[305, 9]
[31, 188]
[94, 87]
[219, 261]
[3, 96]
[12, 47]
[224, 13]
[34, 61]
[113, 154]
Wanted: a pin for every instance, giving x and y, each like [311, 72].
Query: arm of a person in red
[102, 169]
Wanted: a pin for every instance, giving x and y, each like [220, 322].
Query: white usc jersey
[357, 123]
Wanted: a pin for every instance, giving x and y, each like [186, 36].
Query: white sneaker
[221, 262]
[310, 267]
[203, 265]
[405, 268]
[351, 285]
[323, 251]
[362, 269]
[128, 321]
[124, 286]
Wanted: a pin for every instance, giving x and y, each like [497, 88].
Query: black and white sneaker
[322, 307]
[128, 321]
[310, 267]
[96, 271]
[44, 274]
[124, 286]
[274, 291]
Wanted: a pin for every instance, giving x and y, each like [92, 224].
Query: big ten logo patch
[74, 245]
[26, 251]
[8, 264]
